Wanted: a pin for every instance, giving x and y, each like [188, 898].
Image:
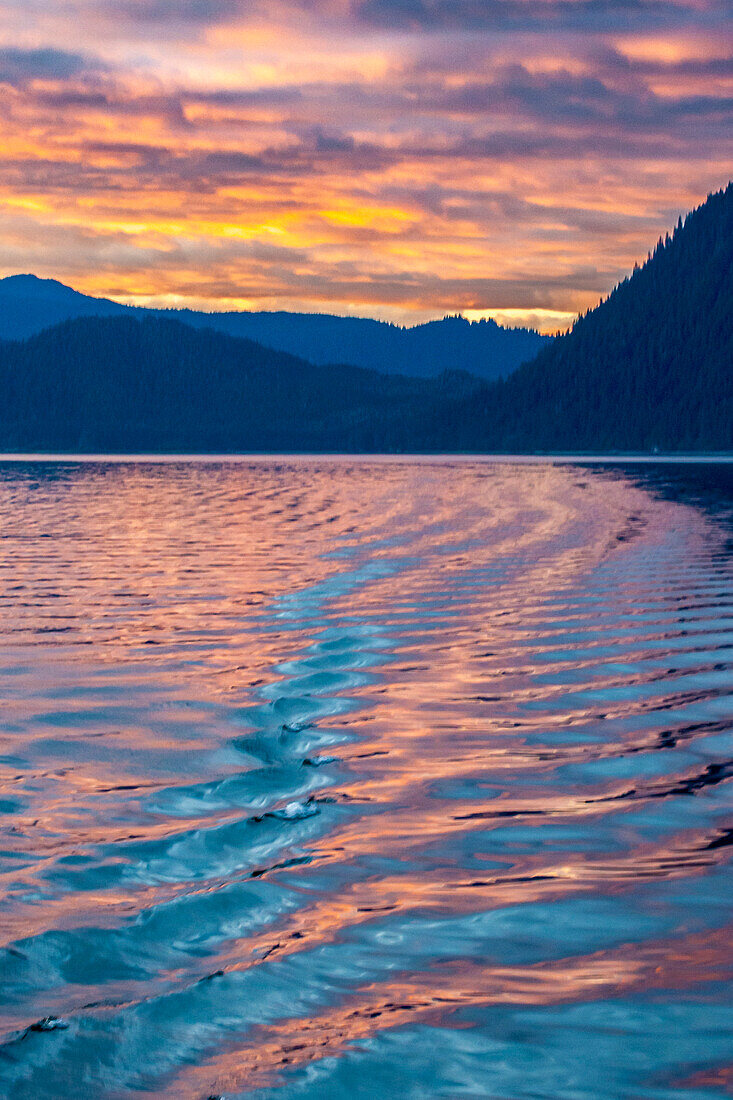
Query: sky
[401, 159]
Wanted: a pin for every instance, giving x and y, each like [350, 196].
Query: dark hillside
[29, 305]
[650, 367]
[107, 384]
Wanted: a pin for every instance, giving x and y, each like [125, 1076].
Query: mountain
[28, 305]
[154, 384]
[482, 348]
[650, 368]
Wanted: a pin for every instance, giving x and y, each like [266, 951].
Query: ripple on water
[338, 778]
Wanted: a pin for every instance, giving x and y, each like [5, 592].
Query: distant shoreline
[696, 458]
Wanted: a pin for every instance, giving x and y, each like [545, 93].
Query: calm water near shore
[342, 778]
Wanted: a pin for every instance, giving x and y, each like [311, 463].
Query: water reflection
[334, 778]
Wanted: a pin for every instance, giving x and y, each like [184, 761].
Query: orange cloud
[513, 168]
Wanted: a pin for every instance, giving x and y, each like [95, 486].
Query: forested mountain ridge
[482, 348]
[154, 384]
[29, 305]
[650, 368]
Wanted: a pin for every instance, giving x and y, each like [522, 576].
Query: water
[337, 778]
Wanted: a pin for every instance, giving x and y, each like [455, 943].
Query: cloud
[22, 66]
[400, 157]
[182, 11]
[530, 16]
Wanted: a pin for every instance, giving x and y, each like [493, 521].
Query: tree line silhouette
[650, 368]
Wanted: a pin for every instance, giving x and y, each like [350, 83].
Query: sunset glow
[393, 158]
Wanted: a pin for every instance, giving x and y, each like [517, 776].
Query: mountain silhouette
[154, 384]
[29, 305]
[651, 368]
